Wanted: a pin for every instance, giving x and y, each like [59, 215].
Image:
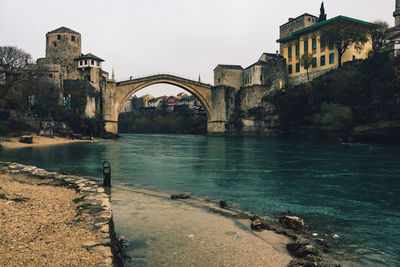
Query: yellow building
[303, 34]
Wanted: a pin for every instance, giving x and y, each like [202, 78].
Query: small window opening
[54, 44]
[59, 37]
[73, 38]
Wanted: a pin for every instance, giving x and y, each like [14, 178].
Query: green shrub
[333, 116]
[4, 114]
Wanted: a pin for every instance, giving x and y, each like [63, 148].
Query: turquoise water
[351, 190]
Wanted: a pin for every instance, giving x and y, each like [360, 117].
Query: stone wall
[293, 81]
[223, 98]
[228, 75]
[60, 49]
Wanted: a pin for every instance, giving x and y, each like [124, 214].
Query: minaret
[396, 14]
[113, 75]
[322, 15]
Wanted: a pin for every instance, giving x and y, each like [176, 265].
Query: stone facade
[269, 70]
[64, 61]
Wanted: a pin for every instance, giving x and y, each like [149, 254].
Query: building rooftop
[320, 24]
[229, 66]
[293, 19]
[88, 56]
[63, 30]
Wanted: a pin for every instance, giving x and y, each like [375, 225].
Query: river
[352, 190]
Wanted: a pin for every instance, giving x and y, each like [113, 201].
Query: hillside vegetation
[359, 102]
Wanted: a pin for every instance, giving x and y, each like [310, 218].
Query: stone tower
[396, 14]
[63, 46]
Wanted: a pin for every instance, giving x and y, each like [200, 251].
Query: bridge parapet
[163, 77]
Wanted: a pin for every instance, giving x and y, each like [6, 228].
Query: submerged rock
[292, 222]
[180, 196]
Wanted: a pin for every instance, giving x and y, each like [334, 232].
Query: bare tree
[12, 61]
[344, 34]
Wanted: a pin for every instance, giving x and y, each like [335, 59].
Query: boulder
[302, 248]
[222, 203]
[292, 222]
[180, 196]
[26, 139]
[260, 224]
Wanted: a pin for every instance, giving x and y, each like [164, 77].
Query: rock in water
[292, 222]
[260, 224]
[180, 196]
[302, 248]
[222, 204]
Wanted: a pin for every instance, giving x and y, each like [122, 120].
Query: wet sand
[40, 141]
[165, 232]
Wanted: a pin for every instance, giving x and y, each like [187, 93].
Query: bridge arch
[134, 88]
[118, 93]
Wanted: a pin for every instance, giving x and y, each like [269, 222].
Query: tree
[306, 61]
[12, 62]
[378, 35]
[344, 34]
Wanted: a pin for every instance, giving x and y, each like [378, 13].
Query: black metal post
[106, 174]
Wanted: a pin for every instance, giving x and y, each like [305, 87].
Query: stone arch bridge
[116, 94]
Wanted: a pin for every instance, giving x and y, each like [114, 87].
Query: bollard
[106, 174]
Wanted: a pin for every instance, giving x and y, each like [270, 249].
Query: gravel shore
[39, 225]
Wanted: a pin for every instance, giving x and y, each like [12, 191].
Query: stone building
[393, 35]
[303, 35]
[269, 70]
[69, 69]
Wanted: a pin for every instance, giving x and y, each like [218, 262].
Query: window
[73, 38]
[85, 62]
[92, 62]
[314, 43]
[290, 71]
[290, 51]
[314, 62]
[297, 50]
[322, 43]
[297, 67]
[261, 78]
[97, 63]
[354, 58]
[322, 60]
[50, 75]
[54, 44]
[331, 58]
[305, 46]
[58, 37]
[80, 63]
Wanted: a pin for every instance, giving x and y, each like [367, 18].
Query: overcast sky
[185, 37]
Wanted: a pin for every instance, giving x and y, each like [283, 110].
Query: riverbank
[191, 232]
[13, 142]
[52, 219]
